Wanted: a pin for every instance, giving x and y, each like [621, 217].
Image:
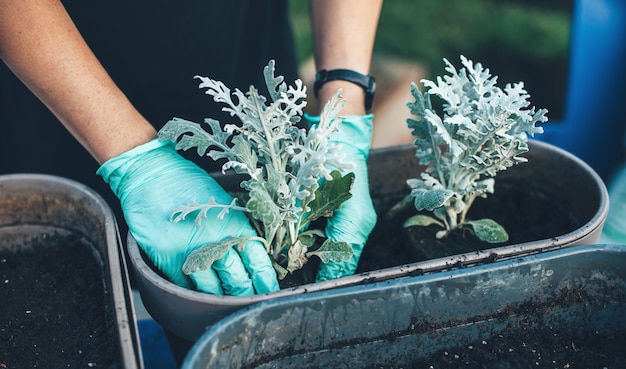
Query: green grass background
[518, 40]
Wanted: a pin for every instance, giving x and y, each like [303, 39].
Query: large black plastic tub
[574, 292]
[36, 208]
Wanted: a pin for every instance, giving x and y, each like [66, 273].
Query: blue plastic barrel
[593, 125]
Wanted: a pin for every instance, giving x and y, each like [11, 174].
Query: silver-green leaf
[422, 221]
[431, 199]
[330, 195]
[333, 251]
[488, 230]
[203, 257]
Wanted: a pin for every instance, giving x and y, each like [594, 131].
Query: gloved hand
[151, 181]
[355, 220]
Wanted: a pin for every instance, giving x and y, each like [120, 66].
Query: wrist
[114, 169]
[357, 88]
[353, 94]
[119, 141]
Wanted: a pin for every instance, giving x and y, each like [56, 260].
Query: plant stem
[468, 204]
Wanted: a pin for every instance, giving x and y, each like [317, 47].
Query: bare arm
[41, 45]
[343, 35]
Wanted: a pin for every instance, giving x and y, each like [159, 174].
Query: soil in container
[533, 348]
[536, 342]
[566, 330]
[54, 311]
[527, 214]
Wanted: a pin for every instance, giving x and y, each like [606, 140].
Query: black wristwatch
[368, 83]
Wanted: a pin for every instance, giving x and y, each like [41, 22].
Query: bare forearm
[41, 45]
[344, 33]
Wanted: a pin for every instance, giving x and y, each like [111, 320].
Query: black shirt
[152, 49]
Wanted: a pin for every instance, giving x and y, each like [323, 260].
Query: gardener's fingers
[227, 276]
[239, 272]
[233, 275]
[259, 266]
[207, 281]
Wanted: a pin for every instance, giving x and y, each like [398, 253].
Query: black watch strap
[368, 83]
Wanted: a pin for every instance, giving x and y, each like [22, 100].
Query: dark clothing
[152, 50]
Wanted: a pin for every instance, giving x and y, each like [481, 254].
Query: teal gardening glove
[151, 181]
[356, 218]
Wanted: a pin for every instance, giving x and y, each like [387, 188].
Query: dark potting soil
[566, 330]
[533, 341]
[527, 215]
[534, 348]
[53, 307]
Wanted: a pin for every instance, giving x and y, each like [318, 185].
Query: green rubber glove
[151, 181]
[356, 218]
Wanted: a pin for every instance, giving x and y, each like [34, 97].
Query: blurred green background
[518, 40]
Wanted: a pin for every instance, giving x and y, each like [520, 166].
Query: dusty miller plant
[483, 130]
[289, 184]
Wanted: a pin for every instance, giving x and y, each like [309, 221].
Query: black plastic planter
[441, 320]
[554, 173]
[65, 293]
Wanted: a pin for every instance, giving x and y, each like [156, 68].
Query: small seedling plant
[483, 130]
[293, 174]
